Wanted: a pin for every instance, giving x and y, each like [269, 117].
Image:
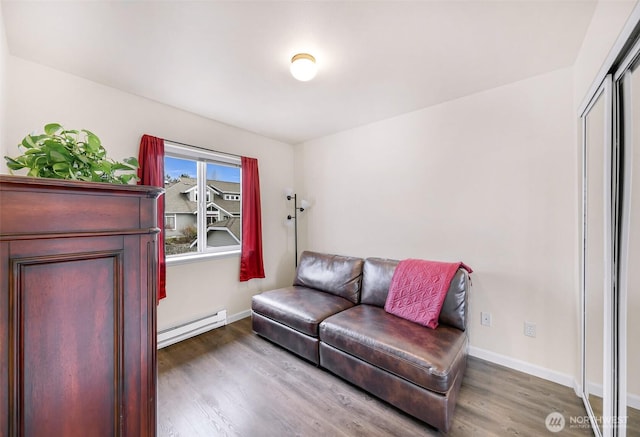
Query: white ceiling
[229, 60]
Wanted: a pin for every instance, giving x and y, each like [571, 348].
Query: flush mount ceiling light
[303, 67]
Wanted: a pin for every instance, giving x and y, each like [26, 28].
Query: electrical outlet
[530, 329]
[485, 319]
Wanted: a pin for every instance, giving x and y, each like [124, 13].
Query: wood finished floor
[230, 382]
[632, 416]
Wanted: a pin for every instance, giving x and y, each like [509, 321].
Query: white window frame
[175, 224]
[202, 157]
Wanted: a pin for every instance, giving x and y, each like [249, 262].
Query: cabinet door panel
[66, 338]
[69, 370]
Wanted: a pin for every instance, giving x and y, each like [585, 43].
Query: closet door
[610, 275]
[628, 86]
[597, 261]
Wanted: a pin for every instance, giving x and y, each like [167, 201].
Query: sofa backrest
[376, 279]
[335, 274]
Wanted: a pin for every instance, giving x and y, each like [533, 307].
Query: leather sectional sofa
[334, 316]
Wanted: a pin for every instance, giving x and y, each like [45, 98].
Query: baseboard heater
[173, 335]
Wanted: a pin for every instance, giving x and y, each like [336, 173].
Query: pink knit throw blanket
[418, 289]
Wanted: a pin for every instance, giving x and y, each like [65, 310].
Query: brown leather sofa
[334, 316]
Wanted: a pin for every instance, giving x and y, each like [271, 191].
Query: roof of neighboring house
[225, 187]
[233, 224]
[233, 206]
[175, 202]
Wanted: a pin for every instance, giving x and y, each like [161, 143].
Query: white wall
[4, 54]
[487, 179]
[39, 95]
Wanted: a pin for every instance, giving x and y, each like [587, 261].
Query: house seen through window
[195, 223]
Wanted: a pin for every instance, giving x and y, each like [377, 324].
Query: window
[194, 195]
[195, 224]
[170, 222]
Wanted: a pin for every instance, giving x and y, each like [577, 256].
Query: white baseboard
[523, 366]
[595, 389]
[239, 316]
[633, 400]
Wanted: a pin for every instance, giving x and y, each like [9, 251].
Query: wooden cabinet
[77, 308]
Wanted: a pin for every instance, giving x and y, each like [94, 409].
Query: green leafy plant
[71, 154]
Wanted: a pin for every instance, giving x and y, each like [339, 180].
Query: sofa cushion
[377, 275]
[376, 279]
[429, 358]
[300, 308]
[302, 344]
[335, 274]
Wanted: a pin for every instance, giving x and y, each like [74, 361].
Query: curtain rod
[202, 148]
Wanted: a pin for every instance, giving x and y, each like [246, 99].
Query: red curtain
[251, 265]
[151, 172]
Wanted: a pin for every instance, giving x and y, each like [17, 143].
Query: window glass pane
[595, 260]
[201, 222]
[223, 205]
[632, 308]
[180, 203]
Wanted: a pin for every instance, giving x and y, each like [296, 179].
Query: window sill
[178, 260]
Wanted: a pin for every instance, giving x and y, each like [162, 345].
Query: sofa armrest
[456, 303]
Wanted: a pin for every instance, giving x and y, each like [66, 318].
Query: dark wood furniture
[77, 308]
